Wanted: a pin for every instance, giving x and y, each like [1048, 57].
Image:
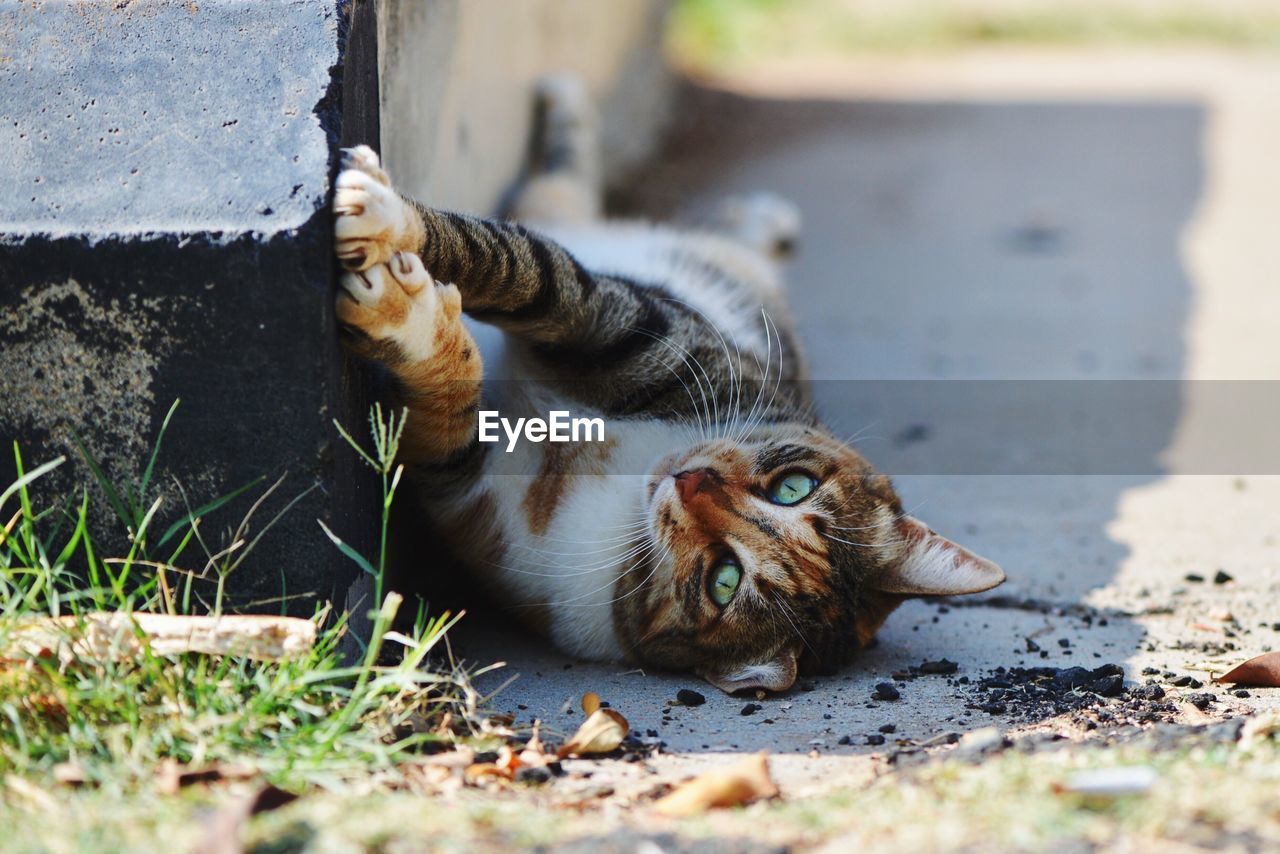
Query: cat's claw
[396, 303]
[370, 220]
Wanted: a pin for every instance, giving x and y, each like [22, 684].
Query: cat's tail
[564, 183]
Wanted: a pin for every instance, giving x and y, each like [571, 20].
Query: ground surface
[1008, 216]
[994, 242]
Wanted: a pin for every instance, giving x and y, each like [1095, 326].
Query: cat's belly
[572, 516]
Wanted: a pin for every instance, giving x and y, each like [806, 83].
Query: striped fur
[681, 340]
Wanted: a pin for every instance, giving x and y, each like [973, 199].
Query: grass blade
[155, 452]
[347, 550]
[113, 496]
[206, 509]
[27, 478]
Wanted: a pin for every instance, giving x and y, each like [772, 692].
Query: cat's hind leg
[564, 182]
[764, 221]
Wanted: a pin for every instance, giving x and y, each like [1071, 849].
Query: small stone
[994, 708]
[844, 739]
[688, 697]
[889, 728]
[1194, 578]
[750, 709]
[1148, 692]
[1241, 693]
[941, 667]
[1222, 577]
[1202, 701]
[1032, 646]
[1064, 643]
[534, 775]
[875, 740]
[1108, 686]
[886, 691]
[1074, 677]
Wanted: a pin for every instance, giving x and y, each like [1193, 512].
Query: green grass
[710, 34]
[314, 720]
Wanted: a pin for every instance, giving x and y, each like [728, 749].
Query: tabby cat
[719, 527]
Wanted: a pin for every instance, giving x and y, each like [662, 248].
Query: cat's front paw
[371, 221]
[398, 304]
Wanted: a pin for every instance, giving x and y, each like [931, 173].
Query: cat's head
[784, 553]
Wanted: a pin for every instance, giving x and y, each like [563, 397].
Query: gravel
[887, 691]
[689, 697]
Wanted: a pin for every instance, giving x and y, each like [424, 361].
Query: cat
[719, 527]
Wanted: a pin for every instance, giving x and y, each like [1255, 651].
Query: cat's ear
[928, 564]
[776, 674]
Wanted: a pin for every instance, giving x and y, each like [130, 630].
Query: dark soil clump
[1092, 697]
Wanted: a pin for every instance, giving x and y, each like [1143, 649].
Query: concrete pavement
[1081, 217]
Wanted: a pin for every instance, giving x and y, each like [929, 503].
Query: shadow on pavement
[946, 243]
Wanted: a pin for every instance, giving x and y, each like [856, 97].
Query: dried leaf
[533, 753]
[481, 772]
[1260, 729]
[171, 777]
[740, 783]
[601, 732]
[1260, 672]
[590, 702]
[222, 831]
[507, 760]
[24, 791]
[69, 774]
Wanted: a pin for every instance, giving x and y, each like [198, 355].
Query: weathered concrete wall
[165, 234]
[457, 84]
[165, 231]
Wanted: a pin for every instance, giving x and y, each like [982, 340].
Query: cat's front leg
[396, 314]
[371, 221]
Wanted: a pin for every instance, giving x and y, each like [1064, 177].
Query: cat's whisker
[636, 561]
[778, 382]
[860, 433]
[734, 381]
[703, 413]
[865, 545]
[602, 566]
[790, 616]
[623, 541]
[627, 531]
[768, 348]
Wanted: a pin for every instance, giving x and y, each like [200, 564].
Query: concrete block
[164, 234]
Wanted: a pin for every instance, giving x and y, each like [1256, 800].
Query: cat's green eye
[725, 579]
[792, 488]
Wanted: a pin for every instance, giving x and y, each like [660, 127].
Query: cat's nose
[689, 483]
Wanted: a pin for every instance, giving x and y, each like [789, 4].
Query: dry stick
[117, 635]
